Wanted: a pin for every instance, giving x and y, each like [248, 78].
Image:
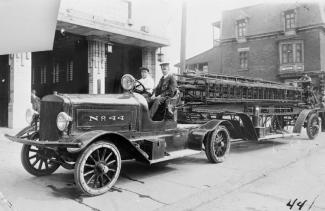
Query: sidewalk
[5, 130]
[7, 148]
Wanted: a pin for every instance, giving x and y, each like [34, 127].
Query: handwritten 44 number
[299, 204]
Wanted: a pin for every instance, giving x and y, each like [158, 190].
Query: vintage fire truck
[92, 134]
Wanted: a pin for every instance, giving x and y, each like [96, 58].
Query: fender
[196, 136]
[26, 132]
[301, 119]
[249, 127]
[122, 143]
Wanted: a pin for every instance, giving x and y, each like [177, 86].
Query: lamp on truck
[30, 115]
[62, 121]
[127, 82]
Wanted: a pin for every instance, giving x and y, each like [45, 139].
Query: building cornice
[274, 34]
[299, 74]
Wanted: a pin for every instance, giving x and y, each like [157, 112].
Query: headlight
[62, 121]
[30, 113]
[127, 82]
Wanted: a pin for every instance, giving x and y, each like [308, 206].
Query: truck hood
[105, 99]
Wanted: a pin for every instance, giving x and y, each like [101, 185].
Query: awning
[88, 25]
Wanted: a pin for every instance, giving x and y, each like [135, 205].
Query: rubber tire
[30, 168]
[209, 145]
[309, 122]
[77, 170]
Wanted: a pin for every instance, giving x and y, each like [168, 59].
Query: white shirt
[166, 75]
[148, 83]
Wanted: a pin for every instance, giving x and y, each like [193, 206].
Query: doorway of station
[124, 59]
[4, 90]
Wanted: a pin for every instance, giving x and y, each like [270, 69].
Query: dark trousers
[154, 105]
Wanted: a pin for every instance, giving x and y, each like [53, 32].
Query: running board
[279, 136]
[176, 154]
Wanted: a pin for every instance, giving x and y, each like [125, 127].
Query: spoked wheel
[218, 145]
[313, 126]
[97, 168]
[38, 161]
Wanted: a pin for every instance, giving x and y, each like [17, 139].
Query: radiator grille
[48, 114]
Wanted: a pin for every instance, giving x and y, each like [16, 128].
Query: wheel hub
[101, 168]
[221, 144]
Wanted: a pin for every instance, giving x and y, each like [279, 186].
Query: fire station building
[90, 54]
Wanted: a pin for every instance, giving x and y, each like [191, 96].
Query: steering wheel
[139, 88]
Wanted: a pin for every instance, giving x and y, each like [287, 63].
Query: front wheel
[97, 168]
[38, 161]
[218, 145]
[313, 126]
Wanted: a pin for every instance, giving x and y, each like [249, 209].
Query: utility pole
[183, 37]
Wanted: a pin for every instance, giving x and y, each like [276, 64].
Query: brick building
[94, 45]
[278, 42]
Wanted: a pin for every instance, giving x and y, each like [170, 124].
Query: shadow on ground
[61, 184]
[248, 146]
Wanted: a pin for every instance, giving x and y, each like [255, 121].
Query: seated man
[165, 90]
[146, 79]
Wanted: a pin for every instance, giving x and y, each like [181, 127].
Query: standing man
[36, 102]
[165, 89]
[308, 93]
[146, 79]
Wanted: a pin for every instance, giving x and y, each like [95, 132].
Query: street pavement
[279, 174]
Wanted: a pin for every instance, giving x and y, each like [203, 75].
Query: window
[198, 67]
[33, 75]
[43, 75]
[287, 53]
[291, 53]
[108, 65]
[205, 67]
[289, 20]
[56, 73]
[243, 60]
[70, 71]
[299, 52]
[241, 28]
[216, 33]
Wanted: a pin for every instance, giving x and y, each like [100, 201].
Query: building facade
[278, 42]
[94, 45]
[207, 61]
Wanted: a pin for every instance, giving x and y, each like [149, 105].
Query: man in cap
[166, 89]
[146, 79]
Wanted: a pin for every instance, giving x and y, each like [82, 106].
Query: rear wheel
[218, 145]
[313, 126]
[97, 168]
